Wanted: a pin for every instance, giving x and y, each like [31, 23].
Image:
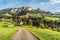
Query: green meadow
[51, 18]
[6, 33]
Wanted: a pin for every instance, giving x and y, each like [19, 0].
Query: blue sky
[48, 5]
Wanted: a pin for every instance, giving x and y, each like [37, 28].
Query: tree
[35, 22]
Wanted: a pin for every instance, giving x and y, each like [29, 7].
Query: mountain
[57, 14]
[23, 11]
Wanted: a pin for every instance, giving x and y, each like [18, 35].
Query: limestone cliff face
[23, 11]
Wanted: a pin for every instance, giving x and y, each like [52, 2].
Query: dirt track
[23, 34]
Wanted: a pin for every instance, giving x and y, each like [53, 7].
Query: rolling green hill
[51, 18]
[43, 34]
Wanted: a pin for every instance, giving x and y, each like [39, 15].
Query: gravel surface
[23, 34]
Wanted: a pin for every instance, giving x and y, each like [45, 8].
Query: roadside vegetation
[6, 32]
[43, 34]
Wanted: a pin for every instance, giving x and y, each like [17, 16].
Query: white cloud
[54, 1]
[57, 9]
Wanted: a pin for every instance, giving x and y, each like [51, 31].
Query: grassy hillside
[51, 18]
[6, 33]
[40, 15]
[44, 34]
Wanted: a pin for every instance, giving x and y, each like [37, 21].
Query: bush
[36, 23]
[5, 25]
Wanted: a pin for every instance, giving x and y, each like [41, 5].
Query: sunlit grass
[6, 33]
[51, 18]
[44, 34]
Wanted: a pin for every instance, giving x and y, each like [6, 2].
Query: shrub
[5, 25]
